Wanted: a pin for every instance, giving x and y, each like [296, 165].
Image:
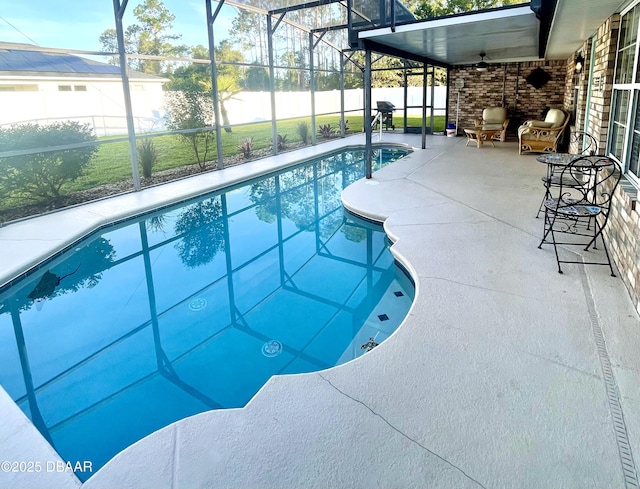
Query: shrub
[246, 147]
[346, 126]
[326, 131]
[147, 156]
[303, 131]
[41, 176]
[282, 142]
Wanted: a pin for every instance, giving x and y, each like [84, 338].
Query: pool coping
[45, 242]
[492, 380]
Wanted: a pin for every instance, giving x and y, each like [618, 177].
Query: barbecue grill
[386, 109]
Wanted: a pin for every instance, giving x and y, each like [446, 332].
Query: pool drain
[197, 304]
[272, 348]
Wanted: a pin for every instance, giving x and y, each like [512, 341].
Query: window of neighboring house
[624, 132]
[69, 88]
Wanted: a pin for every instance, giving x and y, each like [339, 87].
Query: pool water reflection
[195, 307]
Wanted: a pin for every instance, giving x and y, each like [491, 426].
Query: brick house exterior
[505, 85]
[588, 96]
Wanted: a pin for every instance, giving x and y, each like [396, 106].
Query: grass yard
[112, 163]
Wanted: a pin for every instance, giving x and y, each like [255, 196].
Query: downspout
[515, 100]
[504, 85]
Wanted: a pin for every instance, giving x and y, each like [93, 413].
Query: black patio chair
[580, 209]
[580, 143]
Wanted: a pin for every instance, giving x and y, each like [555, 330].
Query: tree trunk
[225, 117]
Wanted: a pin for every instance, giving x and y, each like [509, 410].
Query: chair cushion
[555, 116]
[494, 115]
[492, 127]
[542, 124]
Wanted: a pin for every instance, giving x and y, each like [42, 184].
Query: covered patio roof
[508, 34]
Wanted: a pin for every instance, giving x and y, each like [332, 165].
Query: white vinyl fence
[104, 109]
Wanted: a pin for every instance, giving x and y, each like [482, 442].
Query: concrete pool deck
[505, 374]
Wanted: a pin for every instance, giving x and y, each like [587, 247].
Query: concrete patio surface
[505, 374]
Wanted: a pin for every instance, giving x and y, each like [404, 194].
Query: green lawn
[112, 163]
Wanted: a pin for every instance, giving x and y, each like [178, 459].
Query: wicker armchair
[542, 136]
[494, 118]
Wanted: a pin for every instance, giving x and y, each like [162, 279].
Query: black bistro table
[557, 161]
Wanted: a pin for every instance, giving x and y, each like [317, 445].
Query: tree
[228, 86]
[249, 33]
[197, 76]
[41, 176]
[190, 109]
[149, 36]
[201, 232]
[426, 9]
[256, 78]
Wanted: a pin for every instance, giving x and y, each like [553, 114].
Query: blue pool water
[194, 307]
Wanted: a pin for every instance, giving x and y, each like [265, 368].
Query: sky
[77, 24]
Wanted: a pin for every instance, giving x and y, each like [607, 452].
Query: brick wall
[622, 233]
[505, 85]
[623, 230]
[602, 81]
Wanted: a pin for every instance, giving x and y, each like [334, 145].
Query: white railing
[377, 119]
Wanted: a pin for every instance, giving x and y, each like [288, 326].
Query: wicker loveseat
[537, 136]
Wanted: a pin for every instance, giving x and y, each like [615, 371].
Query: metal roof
[27, 60]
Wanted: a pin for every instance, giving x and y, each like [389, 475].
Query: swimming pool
[194, 307]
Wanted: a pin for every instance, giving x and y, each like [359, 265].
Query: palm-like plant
[246, 147]
[228, 88]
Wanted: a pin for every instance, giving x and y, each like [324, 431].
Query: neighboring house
[40, 86]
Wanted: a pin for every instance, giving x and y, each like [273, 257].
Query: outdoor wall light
[579, 63]
[482, 65]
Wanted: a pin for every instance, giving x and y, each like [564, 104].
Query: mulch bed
[111, 189]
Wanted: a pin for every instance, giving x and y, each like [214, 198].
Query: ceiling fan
[482, 65]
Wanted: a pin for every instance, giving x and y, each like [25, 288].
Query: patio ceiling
[508, 34]
[575, 21]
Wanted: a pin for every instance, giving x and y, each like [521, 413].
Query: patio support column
[272, 88]
[211, 18]
[342, 124]
[118, 10]
[367, 111]
[405, 94]
[433, 98]
[312, 89]
[424, 105]
[446, 102]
